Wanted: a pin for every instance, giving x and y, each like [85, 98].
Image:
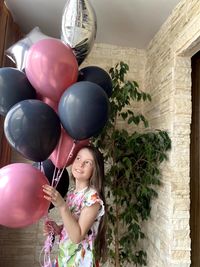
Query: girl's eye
[89, 163]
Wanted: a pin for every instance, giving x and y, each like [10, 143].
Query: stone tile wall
[168, 78]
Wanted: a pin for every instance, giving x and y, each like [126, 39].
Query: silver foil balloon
[18, 51]
[79, 27]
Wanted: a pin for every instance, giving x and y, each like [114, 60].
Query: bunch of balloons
[52, 109]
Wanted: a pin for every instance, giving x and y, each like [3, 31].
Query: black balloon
[83, 110]
[96, 75]
[50, 171]
[14, 87]
[33, 129]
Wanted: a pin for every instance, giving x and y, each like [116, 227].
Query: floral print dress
[82, 254]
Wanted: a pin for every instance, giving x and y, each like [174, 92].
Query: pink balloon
[48, 101]
[60, 155]
[51, 67]
[51, 103]
[22, 202]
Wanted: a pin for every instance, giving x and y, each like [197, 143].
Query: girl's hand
[51, 227]
[52, 195]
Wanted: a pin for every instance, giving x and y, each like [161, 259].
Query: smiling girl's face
[83, 165]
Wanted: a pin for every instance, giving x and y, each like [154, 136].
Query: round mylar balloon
[51, 67]
[14, 87]
[33, 129]
[79, 27]
[18, 51]
[22, 202]
[83, 110]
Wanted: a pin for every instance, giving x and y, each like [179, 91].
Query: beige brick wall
[168, 79]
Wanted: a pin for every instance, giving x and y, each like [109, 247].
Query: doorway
[195, 164]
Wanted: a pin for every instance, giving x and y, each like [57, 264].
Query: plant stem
[117, 262]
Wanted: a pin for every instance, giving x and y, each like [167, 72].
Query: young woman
[82, 235]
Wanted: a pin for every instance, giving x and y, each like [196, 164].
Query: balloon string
[70, 155]
[50, 238]
[42, 167]
[47, 247]
[55, 174]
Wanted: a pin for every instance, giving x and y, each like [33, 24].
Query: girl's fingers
[47, 198]
[46, 186]
[50, 190]
[51, 193]
[52, 199]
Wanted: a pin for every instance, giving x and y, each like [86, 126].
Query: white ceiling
[130, 23]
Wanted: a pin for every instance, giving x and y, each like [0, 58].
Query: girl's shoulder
[92, 197]
[91, 193]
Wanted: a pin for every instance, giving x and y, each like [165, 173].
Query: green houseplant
[132, 170]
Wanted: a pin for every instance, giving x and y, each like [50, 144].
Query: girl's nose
[81, 164]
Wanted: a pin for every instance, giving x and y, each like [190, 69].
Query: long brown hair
[97, 181]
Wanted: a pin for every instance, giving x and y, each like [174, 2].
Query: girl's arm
[78, 229]
[75, 229]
